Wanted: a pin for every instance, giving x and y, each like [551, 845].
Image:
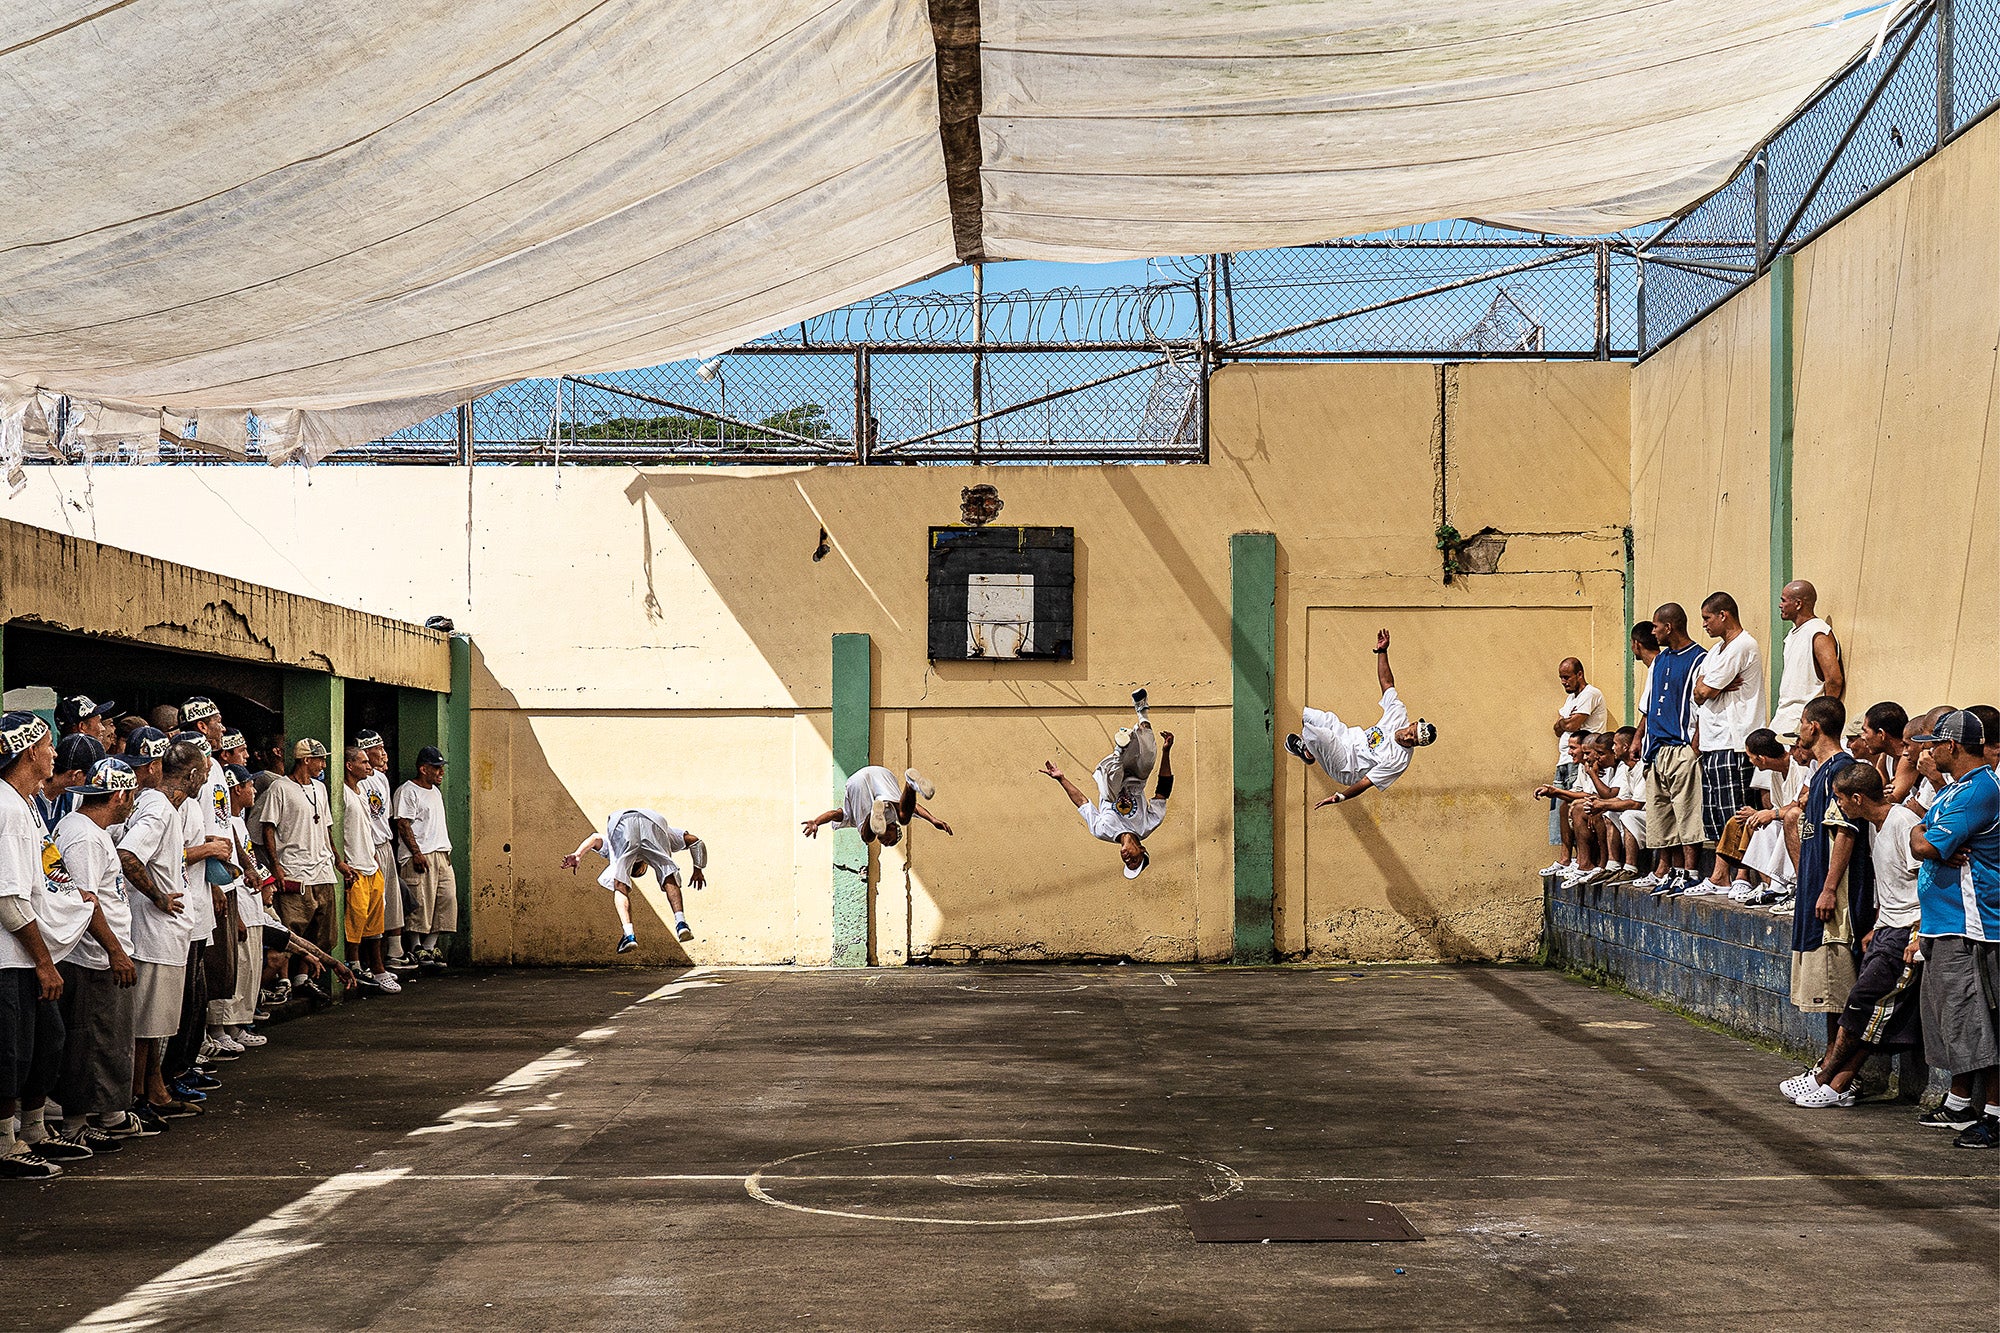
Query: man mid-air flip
[880, 807]
[1122, 814]
[633, 841]
[1358, 758]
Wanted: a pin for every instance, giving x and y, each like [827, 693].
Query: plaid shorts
[1725, 788]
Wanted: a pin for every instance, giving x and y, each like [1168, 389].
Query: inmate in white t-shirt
[1107, 824]
[1586, 703]
[197, 900]
[424, 808]
[92, 859]
[31, 867]
[153, 835]
[863, 790]
[1349, 754]
[376, 794]
[1728, 719]
[1895, 868]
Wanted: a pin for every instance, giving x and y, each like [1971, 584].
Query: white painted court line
[739, 1178]
[282, 1234]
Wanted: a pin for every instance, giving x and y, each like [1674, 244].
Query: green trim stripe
[457, 749]
[852, 692]
[1782, 392]
[316, 709]
[1253, 635]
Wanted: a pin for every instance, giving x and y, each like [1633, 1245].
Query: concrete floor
[885, 1150]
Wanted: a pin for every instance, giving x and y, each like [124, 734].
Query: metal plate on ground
[1243, 1221]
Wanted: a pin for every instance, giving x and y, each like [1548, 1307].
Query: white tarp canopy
[277, 204]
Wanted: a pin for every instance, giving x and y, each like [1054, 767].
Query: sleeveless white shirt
[1801, 680]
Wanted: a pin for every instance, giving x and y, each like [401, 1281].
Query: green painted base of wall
[1253, 597]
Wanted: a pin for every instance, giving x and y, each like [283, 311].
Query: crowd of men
[159, 898]
[1879, 839]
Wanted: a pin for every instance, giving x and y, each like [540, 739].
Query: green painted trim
[420, 721]
[1631, 618]
[458, 794]
[316, 709]
[1783, 391]
[852, 696]
[1253, 642]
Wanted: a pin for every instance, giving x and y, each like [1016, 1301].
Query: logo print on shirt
[222, 802]
[1125, 805]
[1374, 736]
[374, 801]
[54, 872]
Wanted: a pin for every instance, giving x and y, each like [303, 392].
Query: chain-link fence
[1935, 73]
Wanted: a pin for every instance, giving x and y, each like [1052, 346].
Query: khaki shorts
[1822, 978]
[364, 907]
[1673, 798]
[156, 1006]
[1735, 838]
[392, 886]
[308, 912]
[433, 889]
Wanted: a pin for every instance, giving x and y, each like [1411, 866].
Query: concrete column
[1253, 596]
[852, 694]
[1782, 390]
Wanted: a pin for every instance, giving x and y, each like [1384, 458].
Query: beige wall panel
[1022, 877]
[1540, 448]
[728, 779]
[1373, 884]
[496, 874]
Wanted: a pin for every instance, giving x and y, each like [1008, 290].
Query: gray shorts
[156, 1000]
[1960, 988]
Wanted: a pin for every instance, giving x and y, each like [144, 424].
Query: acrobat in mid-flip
[634, 841]
[1122, 814]
[880, 806]
[1363, 758]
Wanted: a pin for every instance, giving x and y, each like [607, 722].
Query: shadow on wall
[524, 818]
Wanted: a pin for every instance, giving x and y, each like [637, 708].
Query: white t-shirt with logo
[424, 808]
[376, 795]
[1895, 868]
[301, 814]
[1587, 703]
[1786, 787]
[1349, 754]
[357, 834]
[863, 789]
[197, 899]
[153, 835]
[31, 867]
[1107, 824]
[92, 859]
[1727, 720]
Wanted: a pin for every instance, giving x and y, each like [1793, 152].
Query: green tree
[807, 419]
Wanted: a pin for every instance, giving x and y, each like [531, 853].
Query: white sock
[1993, 1109]
[1954, 1102]
[33, 1128]
[396, 945]
[9, 1144]
[680, 918]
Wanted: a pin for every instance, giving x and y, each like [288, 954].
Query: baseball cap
[108, 777]
[18, 734]
[1145, 859]
[145, 745]
[233, 740]
[367, 740]
[310, 749]
[1961, 726]
[237, 774]
[199, 709]
[430, 754]
[194, 738]
[1426, 733]
[76, 754]
[76, 707]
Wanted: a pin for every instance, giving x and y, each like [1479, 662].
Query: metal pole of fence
[465, 434]
[1603, 301]
[860, 409]
[978, 357]
[1947, 119]
[1760, 178]
[864, 439]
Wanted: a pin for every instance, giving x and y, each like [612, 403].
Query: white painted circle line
[754, 1184]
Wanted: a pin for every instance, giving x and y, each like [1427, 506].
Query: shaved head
[1569, 664]
[1802, 590]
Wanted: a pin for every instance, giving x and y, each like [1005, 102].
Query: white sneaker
[1648, 881]
[878, 815]
[1613, 869]
[249, 1039]
[387, 981]
[1555, 868]
[1798, 1083]
[1820, 1096]
[919, 783]
[209, 1046]
[1783, 907]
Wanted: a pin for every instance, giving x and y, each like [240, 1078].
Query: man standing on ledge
[1812, 656]
[1362, 759]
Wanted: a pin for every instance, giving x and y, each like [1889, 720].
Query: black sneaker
[1981, 1133]
[98, 1141]
[1939, 1117]
[1297, 749]
[1139, 699]
[201, 1080]
[402, 962]
[148, 1120]
[27, 1165]
[316, 990]
[63, 1147]
[175, 1110]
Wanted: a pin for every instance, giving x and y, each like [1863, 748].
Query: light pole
[710, 372]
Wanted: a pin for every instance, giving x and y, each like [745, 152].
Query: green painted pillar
[316, 709]
[458, 790]
[852, 694]
[420, 721]
[1782, 403]
[1253, 601]
[1625, 643]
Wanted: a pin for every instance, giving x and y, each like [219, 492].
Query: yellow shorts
[364, 907]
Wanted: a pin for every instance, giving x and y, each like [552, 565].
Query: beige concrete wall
[57, 581]
[662, 637]
[1896, 452]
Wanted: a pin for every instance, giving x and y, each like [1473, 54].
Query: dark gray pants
[96, 1074]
